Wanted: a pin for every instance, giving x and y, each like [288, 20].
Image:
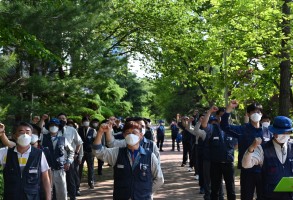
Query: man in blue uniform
[275, 158]
[137, 172]
[221, 147]
[25, 166]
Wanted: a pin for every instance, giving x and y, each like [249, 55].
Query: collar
[27, 151]
[278, 146]
[142, 151]
[144, 140]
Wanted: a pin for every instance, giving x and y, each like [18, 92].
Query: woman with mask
[250, 179]
[134, 167]
[275, 158]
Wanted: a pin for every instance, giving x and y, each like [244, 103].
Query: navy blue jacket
[87, 137]
[23, 185]
[245, 134]
[133, 182]
[221, 145]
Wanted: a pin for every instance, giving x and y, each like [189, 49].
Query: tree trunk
[285, 65]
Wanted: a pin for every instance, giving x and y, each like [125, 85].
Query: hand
[66, 166]
[201, 118]
[45, 116]
[214, 109]
[233, 103]
[105, 127]
[2, 129]
[257, 141]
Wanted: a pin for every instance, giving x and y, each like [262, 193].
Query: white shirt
[257, 157]
[70, 134]
[199, 133]
[22, 158]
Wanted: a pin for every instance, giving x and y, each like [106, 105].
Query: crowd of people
[44, 159]
[264, 152]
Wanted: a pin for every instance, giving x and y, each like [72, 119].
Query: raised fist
[214, 109]
[233, 103]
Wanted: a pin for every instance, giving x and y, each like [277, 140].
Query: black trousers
[76, 173]
[186, 150]
[89, 159]
[160, 141]
[173, 141]
[100, 166]
[225, 170]
[250, 181]
[70, 181]
[207, 181]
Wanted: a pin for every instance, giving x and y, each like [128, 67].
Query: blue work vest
[87, 139]
[273, 171]
[133, 182]
[221, 146]
[147, 144]
[55, 157]
[23, 185]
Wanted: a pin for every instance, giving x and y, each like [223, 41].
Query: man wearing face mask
[275, 158]
[87, 135]
[75, 141]
[25, 166]
[60, 157]
[265, 122]
[250, 179]
[145, 143]
[137, 173]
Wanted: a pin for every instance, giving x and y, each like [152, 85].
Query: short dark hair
[15, 127]
[265, 116]
[61, 114]
[221, 109]
[85, 119]
[95, 120]
[131, 125]
[253, 107]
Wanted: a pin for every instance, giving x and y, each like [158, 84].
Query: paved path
[179, 183]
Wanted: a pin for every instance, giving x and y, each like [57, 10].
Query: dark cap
[281, 125]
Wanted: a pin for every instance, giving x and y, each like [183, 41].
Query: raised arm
[5, 141]
[206, 118]
[234, 131]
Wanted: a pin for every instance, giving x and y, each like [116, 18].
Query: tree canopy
[73, 56]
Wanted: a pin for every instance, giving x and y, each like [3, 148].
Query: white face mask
[265, 124]
[256, 117]
[283, 138]
[132, 139]
[35, 138]
[95, 125]
[86, 123]
[54, 129]
[24, 140]
[143, 131]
